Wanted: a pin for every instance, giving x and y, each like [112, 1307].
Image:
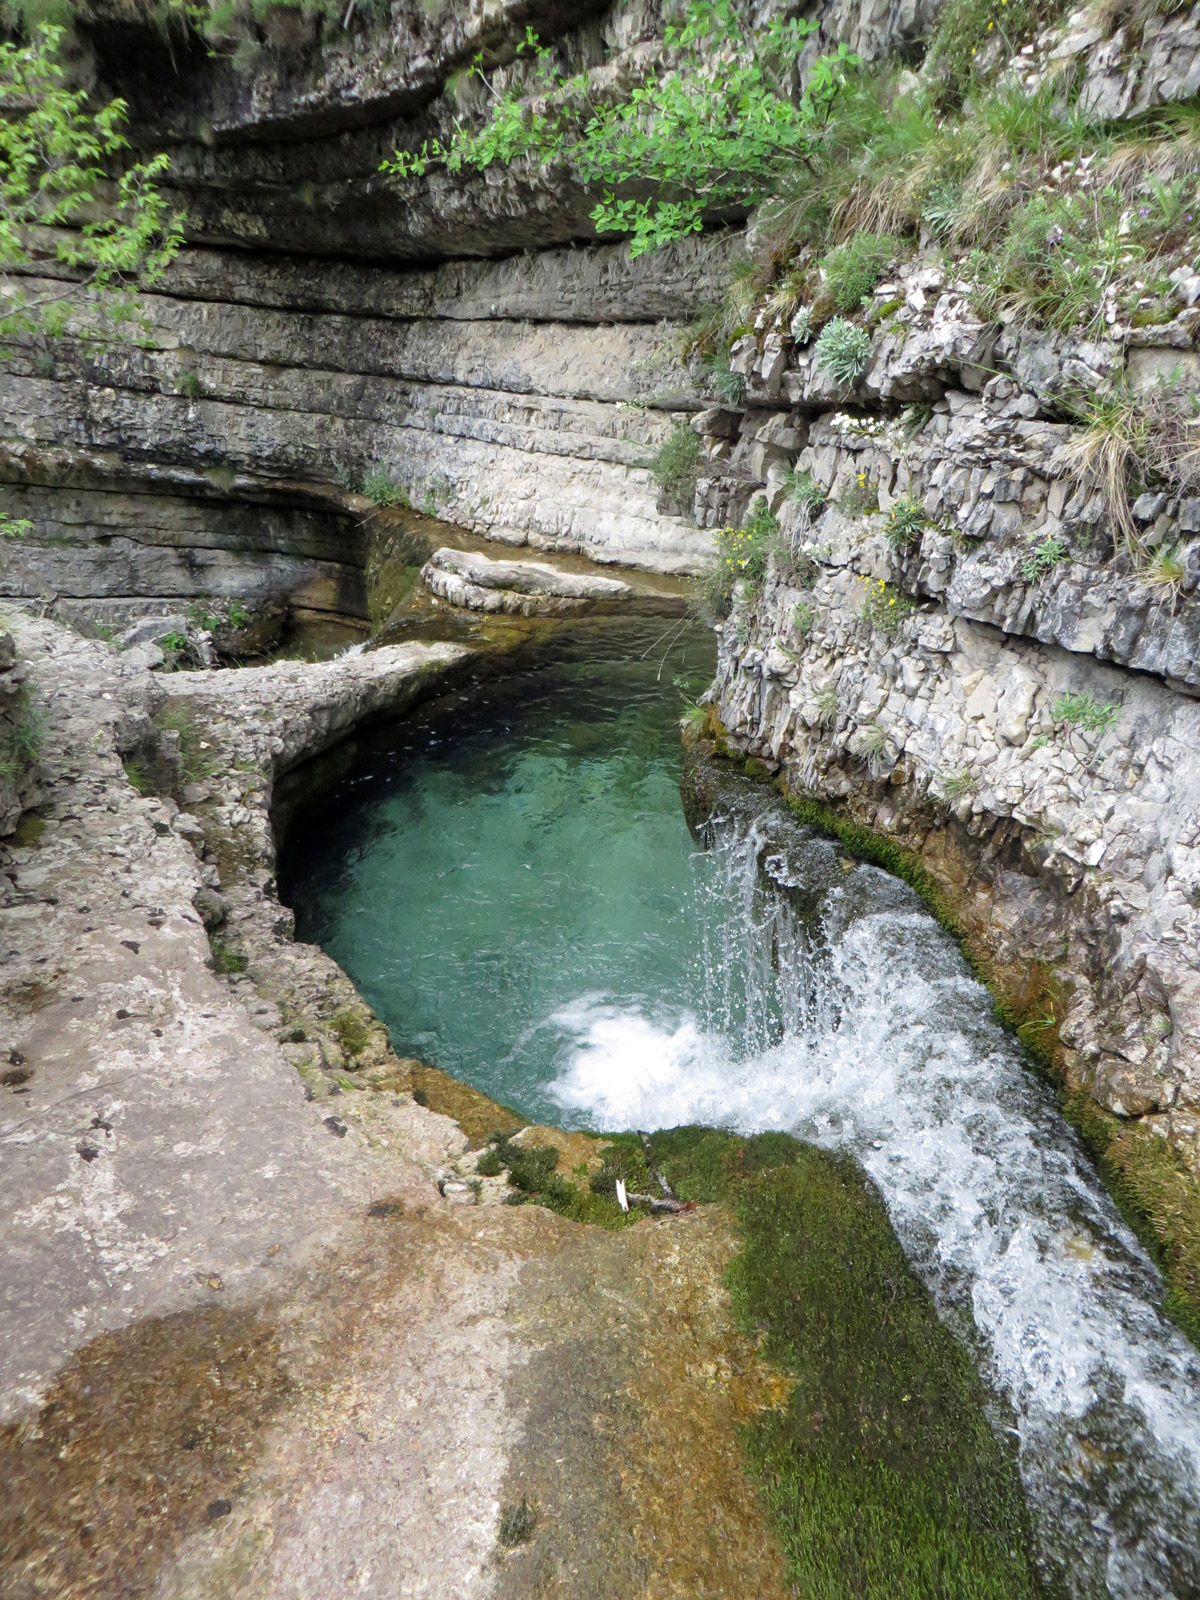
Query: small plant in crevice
[14, 527]
[884, 606]
[188, 385]
[198, 759]
[827, 705]
[957, 785]
[138, 777]
[385, 491]
[904, 522]
[1132, 439]
[915, 418]
[676, 464]
[860, 497]
[22, 739]
[724, 384]
[1085, 712]
[1166, 573]
[225, 958]
[804, 490]
[803, 619]
[843, 350]
[694, 717]
[517, 1524]
[853, 269]
[1043, 557]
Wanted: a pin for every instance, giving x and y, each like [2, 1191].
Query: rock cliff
[1001, 686]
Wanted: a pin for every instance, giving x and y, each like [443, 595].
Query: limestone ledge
[158, 1150]
[972, 424]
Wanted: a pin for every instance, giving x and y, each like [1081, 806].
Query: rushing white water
[837, 1008]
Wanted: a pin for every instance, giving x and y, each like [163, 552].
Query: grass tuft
[676, 464]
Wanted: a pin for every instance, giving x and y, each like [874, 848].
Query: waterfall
[830, 1003]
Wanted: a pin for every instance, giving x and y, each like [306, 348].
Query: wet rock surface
[267, 1332]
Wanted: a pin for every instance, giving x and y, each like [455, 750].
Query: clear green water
[489, 867]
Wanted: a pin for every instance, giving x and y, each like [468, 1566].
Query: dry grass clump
[1130, 442]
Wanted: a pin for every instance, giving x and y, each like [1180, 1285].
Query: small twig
[654, 1172]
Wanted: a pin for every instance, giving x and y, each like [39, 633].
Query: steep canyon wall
[468, 339]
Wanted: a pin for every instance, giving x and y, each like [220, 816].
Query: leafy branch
[55, 157]
[716, 127]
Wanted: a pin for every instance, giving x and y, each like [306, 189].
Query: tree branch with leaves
[61, 178]
[718, 127]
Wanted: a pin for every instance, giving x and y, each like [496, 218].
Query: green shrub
[905, 521]
[383, 490]
[676, 464]
[965, 29]
[853, 269]
[14, 527]
[843, 350]
[742, 555]
[724, 128]
[1084, 711]
[188, 385]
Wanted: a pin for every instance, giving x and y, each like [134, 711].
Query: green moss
[882, 1475]
[350, 1031]
[224, 957]
[27, 834]
[532, 1171]
[1157, 1194]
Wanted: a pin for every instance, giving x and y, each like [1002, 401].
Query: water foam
[857, 1024]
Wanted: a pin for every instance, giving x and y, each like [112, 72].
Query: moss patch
[350, 1030]
[533, 1173]
[881, 1472]
[27, 834]
[477, 1115]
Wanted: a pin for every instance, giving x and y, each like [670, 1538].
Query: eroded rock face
[972, 698]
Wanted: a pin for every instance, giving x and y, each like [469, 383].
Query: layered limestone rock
[1023, 721]
[324, 334]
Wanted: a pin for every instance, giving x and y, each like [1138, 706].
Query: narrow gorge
[600, 804]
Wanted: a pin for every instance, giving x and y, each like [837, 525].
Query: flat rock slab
[521, 588]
